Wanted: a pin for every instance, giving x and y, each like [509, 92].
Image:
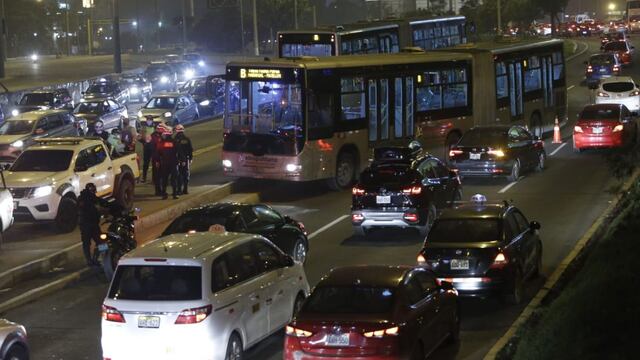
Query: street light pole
[499, 17]
[117, 59]
[256, 46]
[295, 14]
[3, 48]
[67, 34]
[184, 26]
[241, 25]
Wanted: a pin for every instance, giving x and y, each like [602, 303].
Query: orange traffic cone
[557, 139]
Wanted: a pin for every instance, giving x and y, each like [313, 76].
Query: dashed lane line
[570, 87]
[324, 228]
[558, 149]
[506, 188]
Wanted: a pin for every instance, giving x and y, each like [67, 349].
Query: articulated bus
[319, 118]
[633, 15]
[385, 36]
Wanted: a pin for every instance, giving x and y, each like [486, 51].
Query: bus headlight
[293, 167]
[226, 163]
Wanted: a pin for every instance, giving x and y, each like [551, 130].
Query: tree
[218, 30]
[551, 8]
[29, 26]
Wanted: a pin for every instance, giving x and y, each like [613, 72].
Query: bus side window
[320, 115]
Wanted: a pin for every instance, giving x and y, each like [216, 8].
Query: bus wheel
[345, 172]
[535, 125]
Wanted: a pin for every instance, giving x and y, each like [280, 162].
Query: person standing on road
[185, 157]
[168, 162]
[128, 136]
[145, 137]
[89, 220]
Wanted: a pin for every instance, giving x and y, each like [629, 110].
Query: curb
[557, 274]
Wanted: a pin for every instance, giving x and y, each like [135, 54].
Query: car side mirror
[287, 261]
[446, 286]
[534, 225]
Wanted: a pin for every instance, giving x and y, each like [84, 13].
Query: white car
[13, 341]
[619, 90]
[208, 295]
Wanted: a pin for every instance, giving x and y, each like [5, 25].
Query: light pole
[117, 59]
[295, 14]
[256, 46]
[499, 17]
[3, 42]
[184, 26]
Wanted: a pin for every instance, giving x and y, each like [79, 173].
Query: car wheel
[418, 352]
[17, 352]
[125, 193]
[67, 216]
[234, 348]
[516, 291]
[299, 251]
[541, 161]
[515, 171]
[345, 172]
[297, 305]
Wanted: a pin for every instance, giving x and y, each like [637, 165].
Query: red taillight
[500, 261]
[392, 331]
[454, 153]
[112, 314]
[292, 331]
[577, 129]
[194, 316]
[414, 190]
[357, 218]
[357, 191]
[618, 128]
[616, 68]
[411, 217]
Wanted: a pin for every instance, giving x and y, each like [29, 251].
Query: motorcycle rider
[89, 220]
[168, 163]
[148, 147]
[184, 151]
[128, 135]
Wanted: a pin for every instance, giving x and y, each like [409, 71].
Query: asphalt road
[566, 199]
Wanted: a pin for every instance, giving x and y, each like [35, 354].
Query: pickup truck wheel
[67, 217]
[125, 193]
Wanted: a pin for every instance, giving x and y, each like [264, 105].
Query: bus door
[547, 81]
[515, 89]
[378, 110]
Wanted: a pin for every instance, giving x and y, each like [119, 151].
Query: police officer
[168, 163]
[89, 220]
[145, 137]
[184, 151]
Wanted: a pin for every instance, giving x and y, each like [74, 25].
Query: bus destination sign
[260, 73]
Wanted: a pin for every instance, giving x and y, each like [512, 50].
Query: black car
[484, 249]
[208, 92]
[499, 150]
[288, 234]
[103, 88]
[403, 188]
[162, 76]
[139, 88]
[43, 100]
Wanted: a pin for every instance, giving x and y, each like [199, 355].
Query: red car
[374, 312]
[622, 48]
[604, 126]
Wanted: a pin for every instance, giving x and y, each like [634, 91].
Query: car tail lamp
[392, 331]
[618, 128]
[455, 152]
[577, 129]
[112, 314]
[411, 217]
[194, 316]
[496, 153]
[500, 261]
[414, 190]
[589, 68]
[602, 94]
[292, 331]
[357, 191]
[616, 68]
[635, 93]
[357, 218]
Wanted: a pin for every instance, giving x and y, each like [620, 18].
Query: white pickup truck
[46, 179]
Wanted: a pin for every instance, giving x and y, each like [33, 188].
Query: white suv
[204, 295]
[619, 90]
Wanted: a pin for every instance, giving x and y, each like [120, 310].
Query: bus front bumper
[272, 167]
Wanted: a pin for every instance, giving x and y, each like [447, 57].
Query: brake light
[589, 68]
[602, 94]
[357, 218]
[618, 128]
[357, 191]
[292, 331]
[497, 153]
[193, 316]
[392, 331]
[112, 314]
[500, 261]
[415, 190]
[616, 68]
[453, 153]
[577, 129]
[411, 217]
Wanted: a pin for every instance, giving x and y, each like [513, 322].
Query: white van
[207, 295]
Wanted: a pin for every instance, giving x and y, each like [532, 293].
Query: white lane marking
[506, 188]
[557, 149]
[206, 149]
[586, 47]
[317, 232]
[570, 87]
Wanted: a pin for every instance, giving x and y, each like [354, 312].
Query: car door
[431, 292]
[422, 315]
[516, 147]
[41, 127]
[102, 171]
[528, 145]
[528, 239]
[514, 242]
[279, 295]
[83, 168]
[432, 182]
[69, 125]
[627, 121]
[118, 112]
[181, 111]
[55, 125]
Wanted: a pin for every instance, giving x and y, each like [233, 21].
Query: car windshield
[37, 99]
[602, 60]
[484, 137]
[622, 86]
[15, 127]
[88, 108]
[161, 103]
[597, 113]
[43, 160]
[101, 89]
[616, 46]
[157, 69]
[464, 231]
[198, 221]
[350, 299]
[389, 175]
[131, 80]
[156, 283]
[192, 57]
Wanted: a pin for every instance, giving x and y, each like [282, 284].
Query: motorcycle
[119, 238]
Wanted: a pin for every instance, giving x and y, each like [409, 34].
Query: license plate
[103, 247]
[383, 199]
[337, 340]
[603, 70]
[597, 130]
[152, 322]
[459, 264]
[474, 156]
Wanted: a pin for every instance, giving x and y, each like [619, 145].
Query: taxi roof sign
[478, 199]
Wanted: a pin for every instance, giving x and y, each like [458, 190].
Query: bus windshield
[302, 43]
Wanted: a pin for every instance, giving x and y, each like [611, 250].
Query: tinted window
[593, 113]
[523, 225]
[54, 121]
[484, 137]
[350, 300]
[16, 127]
[266, 215]
[100, 88]
[414, 291]
[602, 60]
[199, 221]
[161, 103]
[268, 257]
[618, 86]
[511, 229]
[89, 108]
[37, 99]
[389, 174]
[616, 46]
[464, 230]
[226, 272]
[99, 154]
[37, 160]
[156, 283]
[243, 257]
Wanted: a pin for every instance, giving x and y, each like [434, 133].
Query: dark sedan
[497, 151]
[139, 88]
[208, 92]
[484, 249]
[106, 89]
[374, 312]
[43, 100]
[161, 76]
[402, 189]
[288, 234]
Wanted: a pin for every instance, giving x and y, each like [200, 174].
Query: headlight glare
[42, 191]
[18, 144]
[167, 114]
